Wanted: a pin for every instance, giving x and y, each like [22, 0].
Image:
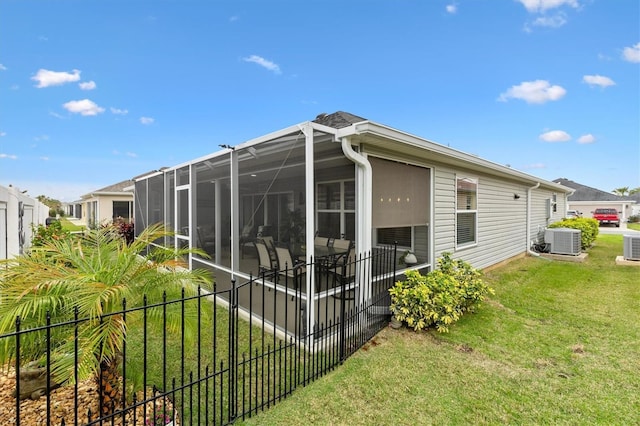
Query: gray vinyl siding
[421, 242]
[502, 219]
[539, 220]
[444, 230]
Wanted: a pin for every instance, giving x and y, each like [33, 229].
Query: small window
[466, 210]
[389, 236]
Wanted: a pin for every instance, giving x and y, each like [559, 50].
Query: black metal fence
[207, 359]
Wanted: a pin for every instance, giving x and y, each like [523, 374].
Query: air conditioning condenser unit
[563, 240]
[631, 249]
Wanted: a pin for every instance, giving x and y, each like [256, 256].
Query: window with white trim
[466, 211]
[336, 208]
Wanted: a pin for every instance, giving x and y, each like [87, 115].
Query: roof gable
[587, 193]
[338, 119]
[115, 188]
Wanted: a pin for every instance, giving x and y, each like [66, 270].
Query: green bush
[43, 234]
[634, 219]
[589, 228]
[439, 298]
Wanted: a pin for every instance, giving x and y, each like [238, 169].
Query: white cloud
[147, 120]
[56, 115]
[631, 54]
[118, 111]
[46, 78]
[538, 6]
[41, 138]
[83, 107]
[2, 68]
[233, 18]
[598, 80]
[265, 63]
[588, 138]
[555, 136]
[9, 156]
[44, 158]
[452, 8]
[131, 154]
[555, 21]
[534, 92]
[3, 134]
[87, 85]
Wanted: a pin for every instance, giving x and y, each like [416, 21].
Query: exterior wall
[15, 237]
[539, 212]
[105, 207]
[586, 208]
[502, 219]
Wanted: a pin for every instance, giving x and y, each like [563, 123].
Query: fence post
[233, 361]
[342, 318]
[18, 370]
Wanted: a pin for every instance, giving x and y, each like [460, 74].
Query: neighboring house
[586, 199]
[344, 177]
[73, 209]
[106, 204]
[635, 208]
[19, 215]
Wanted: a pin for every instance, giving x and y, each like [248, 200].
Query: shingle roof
[116, 187]
[338, 119]
[586, 193]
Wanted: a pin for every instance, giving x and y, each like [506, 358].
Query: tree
[89, 276]
[54, 205]
[623, 191]
[634, 191]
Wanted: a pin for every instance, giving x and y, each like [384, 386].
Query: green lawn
[559, 343]
[67, 225]
[635, 226]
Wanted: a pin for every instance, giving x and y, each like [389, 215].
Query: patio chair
[342, 244]
[321, 241]
[245, 238]
[345, 272]
[206, 240]
[265, 263]
[271, 248]
[288, 268]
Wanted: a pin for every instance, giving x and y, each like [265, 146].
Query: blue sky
[96, 92]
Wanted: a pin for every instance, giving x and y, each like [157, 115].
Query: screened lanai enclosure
[316, 224]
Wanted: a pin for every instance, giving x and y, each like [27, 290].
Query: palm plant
[622, 191]
[89, 277]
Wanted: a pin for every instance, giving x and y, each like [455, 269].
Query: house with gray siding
[343, 177]
[586, 199]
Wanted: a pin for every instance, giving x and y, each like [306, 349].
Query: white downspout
[363, 238]
[531, 252]
[363, 206]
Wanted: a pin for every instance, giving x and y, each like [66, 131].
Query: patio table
[320, 251]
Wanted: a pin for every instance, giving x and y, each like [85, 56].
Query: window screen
[466, 210]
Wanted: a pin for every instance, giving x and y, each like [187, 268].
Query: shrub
[634, 219]
[43, 234]
[440, 297]
[589, 228]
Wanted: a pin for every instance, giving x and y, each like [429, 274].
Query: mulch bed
[34, 412]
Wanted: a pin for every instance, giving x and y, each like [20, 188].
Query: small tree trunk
[108, 382]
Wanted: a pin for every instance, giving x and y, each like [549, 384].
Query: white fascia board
[148, 175]
[390, 133]
[251, 142]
